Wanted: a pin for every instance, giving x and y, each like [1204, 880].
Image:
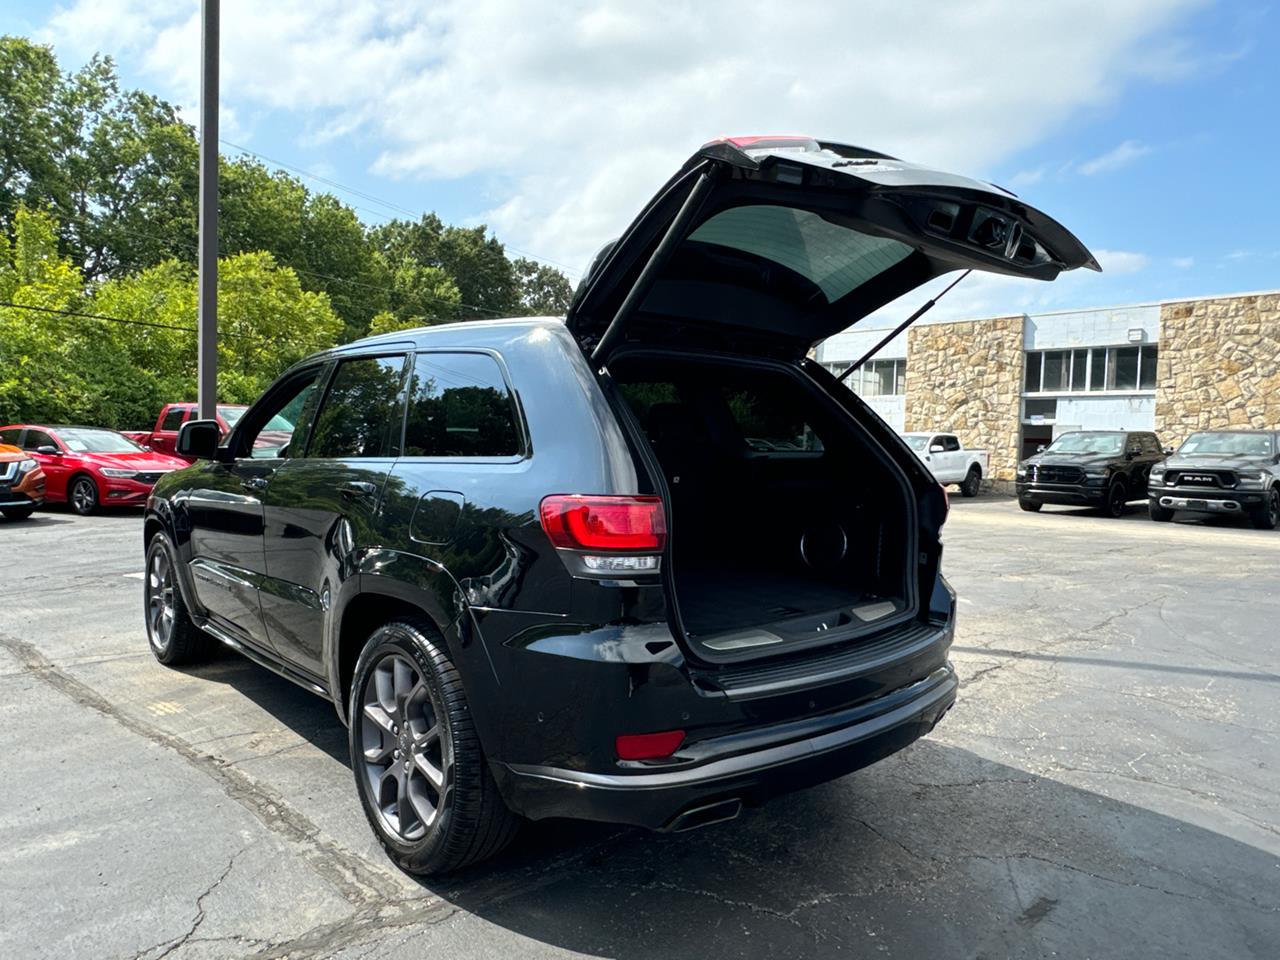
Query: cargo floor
[715, 602]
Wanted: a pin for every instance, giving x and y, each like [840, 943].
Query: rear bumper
[655, 797]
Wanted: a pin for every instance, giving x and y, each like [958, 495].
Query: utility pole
[207, 320]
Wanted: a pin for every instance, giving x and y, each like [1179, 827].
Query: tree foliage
[98, 213]
[80, 366]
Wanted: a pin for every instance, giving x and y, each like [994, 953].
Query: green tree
[544, 291]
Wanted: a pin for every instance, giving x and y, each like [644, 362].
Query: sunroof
[836, 259]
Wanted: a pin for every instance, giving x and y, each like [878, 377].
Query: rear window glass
[459, 406]
[836, 259]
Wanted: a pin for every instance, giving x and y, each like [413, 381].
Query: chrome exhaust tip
[712, 813]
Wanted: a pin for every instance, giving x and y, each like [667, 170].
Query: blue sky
[1147, 126]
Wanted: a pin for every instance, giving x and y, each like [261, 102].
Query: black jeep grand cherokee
[547, 568]
[1105, 469]
[1231, 472]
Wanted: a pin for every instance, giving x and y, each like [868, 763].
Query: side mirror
[937, 448]
[1040, 449]
[1130, 454]
[1168, 451]
[199, 439]
[49, 450]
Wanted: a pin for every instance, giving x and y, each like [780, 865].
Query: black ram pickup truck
[1233, 472]
[1089, 468]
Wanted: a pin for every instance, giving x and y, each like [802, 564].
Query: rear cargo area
[787, 527]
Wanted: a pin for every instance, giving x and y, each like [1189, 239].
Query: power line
[139, 323]
[191, 245]
[386, 203]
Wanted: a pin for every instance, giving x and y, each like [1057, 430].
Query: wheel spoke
[403, 679]
[423, 808]
[423, 740]
[382, 752]
[404, 806]
[376, 713]
[434, 775]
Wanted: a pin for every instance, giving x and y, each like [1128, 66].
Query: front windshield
[97, 441]
[1228, 444]
[1100, 443]
[916, 443]
[231, 414]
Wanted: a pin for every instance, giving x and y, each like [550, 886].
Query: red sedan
[90, 467]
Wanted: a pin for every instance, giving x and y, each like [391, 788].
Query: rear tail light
[648, 746]
[635, 525]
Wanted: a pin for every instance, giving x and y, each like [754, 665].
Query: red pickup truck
[164, 436]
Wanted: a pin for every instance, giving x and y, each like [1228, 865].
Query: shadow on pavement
[935, 852]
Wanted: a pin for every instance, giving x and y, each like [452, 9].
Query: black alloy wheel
[972, 482]
[1267, 517]
[1117, 499]
[173, 637]
[406, 754]
[422, 776]
[84, 495]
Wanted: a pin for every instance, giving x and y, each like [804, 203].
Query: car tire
[1158, 513]
[17, 513]
[972, 482]
[82, 494]
[1267, 517]
[172, 636]
[1117, 499]
[421, 774]
[1030, 506]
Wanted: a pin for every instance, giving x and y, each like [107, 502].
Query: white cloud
[572, 114]
[1121, 261]
[1183, 263]
[1114, 159]
[1026, 178]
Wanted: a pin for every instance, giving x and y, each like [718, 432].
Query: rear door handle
[357, 488]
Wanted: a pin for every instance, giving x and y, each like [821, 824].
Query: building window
[876, 378]
[1093, 369]
[1039, 411]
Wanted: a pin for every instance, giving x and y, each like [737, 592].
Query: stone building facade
[1194, 364]
[1219, 365]
[966, 376]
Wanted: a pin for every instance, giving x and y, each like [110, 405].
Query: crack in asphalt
[167, 947]
[356, 880]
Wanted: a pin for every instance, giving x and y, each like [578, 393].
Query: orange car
[21, 483]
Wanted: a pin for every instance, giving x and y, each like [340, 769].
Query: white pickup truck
[948, 461]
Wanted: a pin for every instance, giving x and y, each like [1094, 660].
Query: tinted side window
[10, 436]
[459, 406]
[950, 444]
[1150, 444]
[37, 438]
[283, 424]
[361, 410]
[172, 419]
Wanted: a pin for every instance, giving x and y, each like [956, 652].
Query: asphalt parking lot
[1107, 785]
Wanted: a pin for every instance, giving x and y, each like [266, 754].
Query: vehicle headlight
[1157, 475]
[1096, 474]
[117, 473]
[1022, 470]
[26, 466]
[1250, 478]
